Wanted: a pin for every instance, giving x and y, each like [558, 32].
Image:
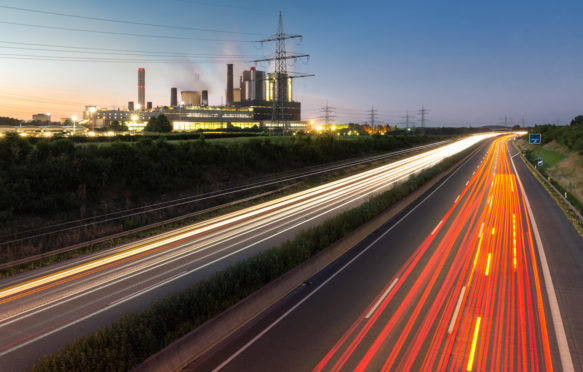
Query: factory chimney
[205, 97]
[173, 97]
[142, 88]
[229, 84]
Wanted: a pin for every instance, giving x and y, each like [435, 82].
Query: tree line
[47, 177]
[567, 135]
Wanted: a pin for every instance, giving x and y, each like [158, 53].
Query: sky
[468, 62]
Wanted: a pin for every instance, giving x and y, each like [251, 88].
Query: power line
[121, 52]
[102, 59]
[117, 50]
[111, 20]
[120, 33]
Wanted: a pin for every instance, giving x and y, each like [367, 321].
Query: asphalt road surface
[44, 310]
[483, 273]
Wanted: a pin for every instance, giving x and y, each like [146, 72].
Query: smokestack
[131, 105]
[173, 97]
[205, 97]
[142, 88]
[149, 105]
[229, 84]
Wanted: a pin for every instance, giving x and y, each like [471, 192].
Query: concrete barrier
[194, 344]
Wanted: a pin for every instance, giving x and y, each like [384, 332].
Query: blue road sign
[534, 138]
[540, 161]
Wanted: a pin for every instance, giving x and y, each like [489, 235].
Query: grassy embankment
[562, 153]
[134, 337]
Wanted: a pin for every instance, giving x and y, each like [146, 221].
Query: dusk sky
[468, 62]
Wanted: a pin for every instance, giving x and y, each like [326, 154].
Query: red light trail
[470, 296]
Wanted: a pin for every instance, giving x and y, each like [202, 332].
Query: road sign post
[534, 138]
[540, 161]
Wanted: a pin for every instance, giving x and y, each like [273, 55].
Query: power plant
[250, 105]
[263, 100]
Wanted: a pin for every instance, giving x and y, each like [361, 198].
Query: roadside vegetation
[562, 153]
[46, 182]
[130, 340]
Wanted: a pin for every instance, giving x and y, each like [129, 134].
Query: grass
[550, 158]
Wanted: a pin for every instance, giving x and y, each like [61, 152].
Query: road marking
[147, 289]
[456, 199]
[481, 229]
[375, 307]
[488, 264]
[456, 311]
[436, 227]
[317, 289]
[564, 352]
[474, 341]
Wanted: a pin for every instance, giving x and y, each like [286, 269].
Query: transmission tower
[372, 114]
[422, 113]
[281, 75]
[407, 120]
[327, 113]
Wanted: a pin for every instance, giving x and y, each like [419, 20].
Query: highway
[43, 310]
[463, 280]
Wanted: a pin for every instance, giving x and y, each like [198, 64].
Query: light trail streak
[474, 342]
[488, 264]
[437, 311]
[258, 215]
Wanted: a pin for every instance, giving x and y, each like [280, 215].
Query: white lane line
[467, 182]
[376, 306]
[456, 199]
[436, 227]
[564, 352]
[456, 311]
[147, 289]
[317, 289]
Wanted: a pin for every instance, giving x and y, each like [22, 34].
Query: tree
[158, 124]
[8, 121]
[578, 120]
[116, 126]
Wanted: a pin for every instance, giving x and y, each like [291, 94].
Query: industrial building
[250, 105]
